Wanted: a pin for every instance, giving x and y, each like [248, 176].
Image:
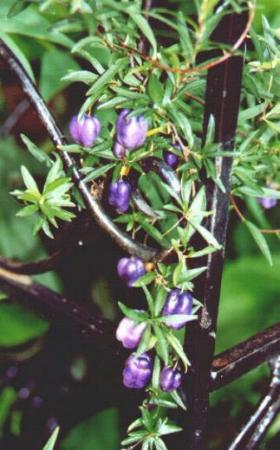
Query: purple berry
[11, 373]
[170, 379]
[51, 424]
[24, 393]
[37, 402]
[137, 371]
[171, 159]
[119, 151]
[178, 302]
[131, 133]
[130, 269]
[267, 202]
[119, 195]
[129, 333]
[84, 131]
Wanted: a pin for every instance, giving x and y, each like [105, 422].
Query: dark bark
[236, 361]
[222, 101]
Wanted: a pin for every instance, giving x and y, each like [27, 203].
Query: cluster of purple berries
[138, 368]
[130, 134]
[137, 374]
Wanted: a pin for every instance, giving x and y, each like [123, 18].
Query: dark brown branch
[122, 239]
[34, 267]
[222, 102]
[247, 355]
[260, 421]
[56, 307]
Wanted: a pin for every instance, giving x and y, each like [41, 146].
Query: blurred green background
[249, 302]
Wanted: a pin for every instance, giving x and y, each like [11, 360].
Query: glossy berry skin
[130, 269]
[170, 379]
[178, 302]
[137, 371]
[171, 159]
[84, 131]
[119, 150]
[267, 203]
[119, 195]
[131, 133]
[129, 332]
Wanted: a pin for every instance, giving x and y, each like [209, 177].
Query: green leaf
[206, 235]
[153, 231]
[138, 316]
[100, 432]
[185, 39]
[80, 76]
[35, 151]
[144, 26]
[106, 77]
[17, 7]
[30, 22]
[28, 211]
[18, 53]
[155, 90]
[177, 346]
[52, 440]
[18, 325]
[260, 240]
[160, 299]
[190, 274]
[145, 279]
[162, 344]
[28, 180]
[176, 397]
[54, 65]
[156, 373]
[98, 172]
[175, 319]
[147, 341]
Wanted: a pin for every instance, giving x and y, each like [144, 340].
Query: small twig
[275, 231]
[243, 218]
[14, 117]
[187, 71]
[34, 267]
[193, 97]
[237, 209]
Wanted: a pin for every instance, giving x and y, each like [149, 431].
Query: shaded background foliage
[250, 290]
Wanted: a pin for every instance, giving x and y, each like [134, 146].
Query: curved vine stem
[121, 238]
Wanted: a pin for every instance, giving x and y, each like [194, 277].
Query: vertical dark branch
[222, 101]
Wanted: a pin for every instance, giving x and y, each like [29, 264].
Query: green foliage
[52, 440]
[18, 325]
[98, 433]
[96, 44]
[50, 204]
